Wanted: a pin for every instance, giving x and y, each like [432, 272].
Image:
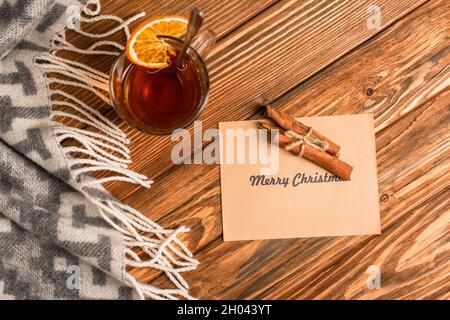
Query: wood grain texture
[317, 96]
[406, 68]
[412, 249]
[314, 58]
[221, 17]
[267, 56]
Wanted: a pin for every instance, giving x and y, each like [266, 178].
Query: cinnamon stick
[322, 159]
[289, 123]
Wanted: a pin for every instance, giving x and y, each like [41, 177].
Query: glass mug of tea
[158, 101]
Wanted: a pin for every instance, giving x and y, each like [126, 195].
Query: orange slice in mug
[144, 48]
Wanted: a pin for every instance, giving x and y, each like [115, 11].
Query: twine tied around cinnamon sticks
[306, 139]
[307, 143]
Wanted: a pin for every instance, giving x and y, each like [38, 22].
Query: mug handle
[204, 42]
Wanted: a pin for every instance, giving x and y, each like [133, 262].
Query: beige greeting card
[272, 194]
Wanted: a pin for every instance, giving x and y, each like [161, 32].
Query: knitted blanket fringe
[105, 149]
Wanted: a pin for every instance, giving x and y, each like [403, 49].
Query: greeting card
[269, 192]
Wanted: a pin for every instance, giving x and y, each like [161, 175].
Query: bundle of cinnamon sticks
[305, 142]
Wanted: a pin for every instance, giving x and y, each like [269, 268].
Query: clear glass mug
[157, 102]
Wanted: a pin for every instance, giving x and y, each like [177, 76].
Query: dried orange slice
[144, 48]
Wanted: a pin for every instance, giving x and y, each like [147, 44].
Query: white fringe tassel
[106, 150]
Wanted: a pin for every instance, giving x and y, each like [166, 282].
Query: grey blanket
[53, 245]
[61, 235]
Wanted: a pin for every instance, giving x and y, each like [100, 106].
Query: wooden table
[316, 58]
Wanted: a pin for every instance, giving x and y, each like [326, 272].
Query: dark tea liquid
[164, 99]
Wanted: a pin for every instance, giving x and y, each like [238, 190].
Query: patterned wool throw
[62, 236]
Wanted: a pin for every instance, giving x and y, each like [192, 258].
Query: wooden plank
[317, 96]
[299, 36]
[333, 269]
[202, 210]
[221, 16]
[412, 206]
[411, 257]
[413, 243]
